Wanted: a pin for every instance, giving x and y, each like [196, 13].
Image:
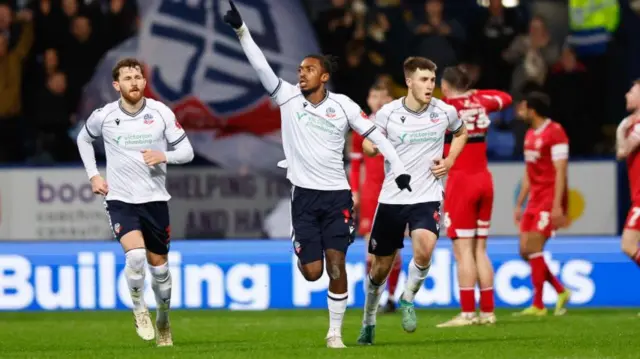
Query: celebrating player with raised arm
[627, 141]
[366, 194]
[546, 154]
[314, 125]
[468, 198]
[416, 125]
[136, 132]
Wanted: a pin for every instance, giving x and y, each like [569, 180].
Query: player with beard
[314, 125]
[137, 133]
[366, 194]
[544, 186]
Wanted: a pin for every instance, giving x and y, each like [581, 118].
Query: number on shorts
[635, 213]
[475, 118]
[447, 220]
[544, 220]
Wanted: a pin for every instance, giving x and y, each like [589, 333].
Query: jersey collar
[542, 127]
[412, 111]
[326, 96]
[144, 104]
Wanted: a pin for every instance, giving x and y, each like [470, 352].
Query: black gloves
[232, 17]
[403, 182]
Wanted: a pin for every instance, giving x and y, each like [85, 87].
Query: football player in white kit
[416, 126]
[314, 125]
[137, 132]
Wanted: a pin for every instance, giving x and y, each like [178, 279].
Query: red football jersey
[633, 161]
[542, 146]
[374, 170]
[473, 108]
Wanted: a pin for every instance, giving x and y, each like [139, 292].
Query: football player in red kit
[546, 155]
[627, 141]
[468, 199]
[365, 194]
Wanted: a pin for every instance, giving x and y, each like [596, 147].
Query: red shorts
[537, 221]
[368, 207]
[468, 202]
[633, 218]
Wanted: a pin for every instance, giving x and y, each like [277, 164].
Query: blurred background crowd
[578, 51]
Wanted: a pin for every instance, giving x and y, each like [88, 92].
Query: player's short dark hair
[124, 63]
[414, 63]
[637, 82]
[457, 77]
[539, 102]
[329, 62]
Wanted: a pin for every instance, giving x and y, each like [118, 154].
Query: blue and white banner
[258, 275]
[51, 204]
[195, 64]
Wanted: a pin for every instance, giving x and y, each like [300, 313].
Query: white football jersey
[313, 136]
[125, 135]
[418, 139]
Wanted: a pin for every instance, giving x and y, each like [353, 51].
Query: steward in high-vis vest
[592, 22]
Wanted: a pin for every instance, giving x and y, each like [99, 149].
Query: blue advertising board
[258, 275]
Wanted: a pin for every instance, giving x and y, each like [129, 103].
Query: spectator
[52, 118]
[495, 30]
[11, 64]
[81, 67]
[437, 38]
[335, 27]
[567, 87]
[532, 54]
[358, 74]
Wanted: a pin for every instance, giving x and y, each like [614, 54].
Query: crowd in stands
[48, 51]
[516, 49]
[50, 48]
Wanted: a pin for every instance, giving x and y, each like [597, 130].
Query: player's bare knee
[312, 271]
[380, 268]
[334, 271]
[156, 259]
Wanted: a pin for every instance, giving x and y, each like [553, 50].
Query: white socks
[337, 304]
[134, 273]
[161, 284]
[415, 279]
[372, 299]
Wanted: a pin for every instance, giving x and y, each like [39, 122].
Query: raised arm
[494, 100]
[268, 78]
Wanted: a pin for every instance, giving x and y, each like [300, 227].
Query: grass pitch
[300, 334]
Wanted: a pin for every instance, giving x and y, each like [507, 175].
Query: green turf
[300, 334]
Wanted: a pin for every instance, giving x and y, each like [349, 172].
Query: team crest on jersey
[538, 143]
[434, 117]
[364, 115]
[148, 119]
[331, 113]
[402, 118]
